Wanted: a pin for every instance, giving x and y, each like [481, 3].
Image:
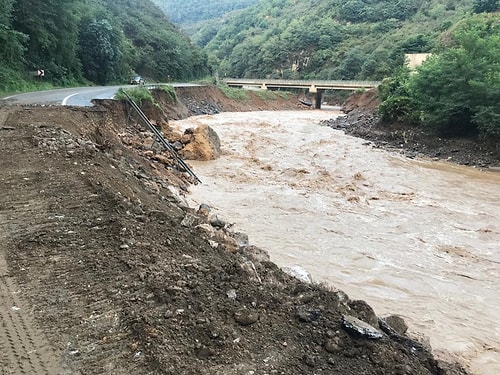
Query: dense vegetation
[328, 39]
[194, 11]
[457, 90]
[91, 40]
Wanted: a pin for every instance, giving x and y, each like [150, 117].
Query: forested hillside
[329, 39]
[94, 40]
[195, 14]
[194, 11]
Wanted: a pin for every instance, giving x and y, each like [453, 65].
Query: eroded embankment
[122, 277]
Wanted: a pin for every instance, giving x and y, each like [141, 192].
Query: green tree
[485, 6]
[397, 104]
[100, 52]
[458, 91]
[12, 42]
[52, 32]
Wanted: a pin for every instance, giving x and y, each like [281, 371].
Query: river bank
[399, 233]
[105, 269]
[361, 121]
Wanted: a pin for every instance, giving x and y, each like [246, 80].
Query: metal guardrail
[161, 139]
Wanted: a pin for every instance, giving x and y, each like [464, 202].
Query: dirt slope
[105, 270]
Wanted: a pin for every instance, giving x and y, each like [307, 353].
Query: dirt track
[104, 270]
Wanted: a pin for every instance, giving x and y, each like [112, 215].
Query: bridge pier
[316, 99]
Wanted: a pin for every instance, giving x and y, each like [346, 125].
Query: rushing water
[417, 238]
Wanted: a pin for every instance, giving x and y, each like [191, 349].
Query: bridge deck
[310, 84]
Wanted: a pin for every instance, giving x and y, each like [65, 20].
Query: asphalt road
[78, 96]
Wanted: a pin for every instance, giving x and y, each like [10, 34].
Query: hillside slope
[91, 41]
[330, 39]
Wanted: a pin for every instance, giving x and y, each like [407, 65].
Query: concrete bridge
[315, 87]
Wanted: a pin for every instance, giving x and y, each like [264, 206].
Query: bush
[397, 104]
[458, 91]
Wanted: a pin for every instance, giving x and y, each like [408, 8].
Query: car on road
[138, 80]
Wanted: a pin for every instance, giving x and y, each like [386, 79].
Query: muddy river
[417, 238]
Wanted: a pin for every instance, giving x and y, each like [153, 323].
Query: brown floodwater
[416, 238]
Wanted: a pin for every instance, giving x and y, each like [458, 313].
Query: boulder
[204, 144]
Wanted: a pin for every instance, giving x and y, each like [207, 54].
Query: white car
[137, 81]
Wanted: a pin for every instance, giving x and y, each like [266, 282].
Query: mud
[108, 271]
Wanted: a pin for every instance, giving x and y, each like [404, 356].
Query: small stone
[205, 352]
[310, 360]
[333, 345]
[217, 223]
[246, 318]
[231, 294]
[204, 210]
[241, 239]
[190, 220]
[305, 315]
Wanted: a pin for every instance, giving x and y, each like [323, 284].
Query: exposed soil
[105, 270]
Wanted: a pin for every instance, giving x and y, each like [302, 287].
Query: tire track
[23, 347]
[24, 350]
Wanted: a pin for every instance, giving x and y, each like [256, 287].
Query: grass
[271, 95]
[170, 91]
[233, 93]
[138, 94]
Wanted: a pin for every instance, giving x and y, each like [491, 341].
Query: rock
[177, 145]
[177, 197]
[204, 144]
[299, 273]
[305, 315]
[229, 242]
[204, 210]
[217, 223]
[251, 271]
[333, 345]
[256, 253]
[162, 159]
[231, 294]
[357, 327]
[240, 238]
[364, 312]
[190, 220]
[310, 360]
[246, 318]
[396, 323]
[205, 352]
